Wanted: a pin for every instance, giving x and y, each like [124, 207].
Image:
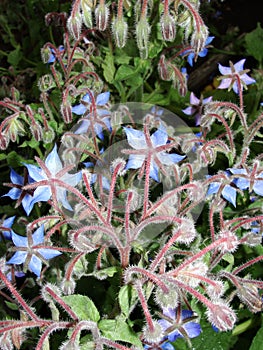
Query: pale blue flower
[229, 192]
[7, 223]
[137, 141]
[229, 79]
[33, 256]
[52, 170]
[191, 328]
[244, 183]
[196, 107]
[17, 192]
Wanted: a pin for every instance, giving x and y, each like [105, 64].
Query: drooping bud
[4, 141]
[119, 31]
[249, 295]
[66, 112]
[45, 54]
[231, 241]
[102, 16]
[199, 38]
[15, 128]
[86, 6]
[48, 135]
[74, 23]
[36, 130]
[142, 34]
[167, 300]
[191, 272]
[168, 27]
[155, 335]
[221, 316]
[68, 286]
[46, 82]
[164, 69]
[187, 229]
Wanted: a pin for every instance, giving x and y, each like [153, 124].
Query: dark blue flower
[17, 192]
[137, 140]
[191, 54]
[29, 253]
[7, 223]
[52, 170]
[177, 326]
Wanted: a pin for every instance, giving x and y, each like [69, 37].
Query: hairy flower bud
[165, 69]
[36, 130]
[199, 38]
[86, 6]
[48, 135]
[66, 112]
[168, 27]
[187, 230]
[15, 128]
[4, 141]
[68, 286]
[155, 335]
[221, 316]
[142, 35]
[46, 295]
[102, 16]
[248, 294]
[46, 82]
[167, 300]
[119, 31]
[190, 273]
[231, 241]
[74, 24]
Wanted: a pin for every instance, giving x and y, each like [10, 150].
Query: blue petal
[169, 159]
[72, 179]
[48, 253]
[229, 193]
[103, 98]
[192, 329]
[41, 194]
[14, 193]
[169, 312]
[26, 203]
[135, 161]
[136, 138]
[53, 162]
[258, 187]
[15, 178]
[8, 223]
[38, 236]
[154, 172]
[79, 109]
[186, 314]
[35, 265]
[167, 346]
[18, 258]
[174, 335]
[203, 53]
[190, 59]
[213, 188]
[35, 172]
[19, 241]
[83, 128]
[159, 137]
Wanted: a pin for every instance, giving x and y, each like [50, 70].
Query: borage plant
[139, 233]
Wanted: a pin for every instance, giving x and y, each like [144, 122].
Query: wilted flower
[29, 253]
[235, 77]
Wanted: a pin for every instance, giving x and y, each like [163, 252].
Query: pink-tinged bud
[48, 135]
[119, 31]
[4, 141]
[187, 230]
[74, 24]
[36, 130]
[190, 273]
[154, 335]
[86, 6]
[221, 316]
[45, 54]
[199, 38]
[215, 290]
[248, 294]
[231, 241]
[142, 35]
[168, 27]
[165, 69]
[102, 16]
[66, 112]
[15, 128]
[169, 299]
[68, 286]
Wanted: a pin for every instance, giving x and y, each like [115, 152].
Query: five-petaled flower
[17, 192]
[249, 180]
[150, 148]
[196, 107]
[191, 55]
[29, 253]
[234, 77]
[228, 192]
[179, 326]
[52, 179]
[95, 118]
[53, 54]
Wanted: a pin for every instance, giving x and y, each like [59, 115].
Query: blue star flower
[164, 346]
[52, 56]
[196, 107]
[29, 253]
[181, 325]
[51, 171]
[94, 120]
[153, 146]
[17, 192]
[229, 192]
[255, 184]
[229, 79]
[191, 54]
[7, 223]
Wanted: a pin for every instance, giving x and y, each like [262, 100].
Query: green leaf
[257, 341]
[105, 273]
[254, 43]
[109, 68]
[83, 307]
[11, 306]
[15, 56]
[127, 299]
[125, 72]
[119, 330]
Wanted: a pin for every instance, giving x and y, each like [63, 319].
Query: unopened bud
[155, 335]
[66, 112]
[191, 272]
[46, 82]
[168, 27]
[69, 345]
[36, 130]
[119, 31]
[248, 294]
[4, 141]
[48, 290]
[169, 299]
[68, 286]
[164, 69]
[48, 135]
[45, 54]
[142, 34]
[120, 163]
[199, 38]
[86, 6]
[221, 316]
[74, 24]
[231, 241]
[102, 16]
[187, 230]
[15, 128]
